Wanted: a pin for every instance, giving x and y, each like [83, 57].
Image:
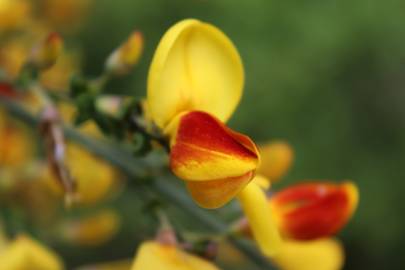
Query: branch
[138, 168]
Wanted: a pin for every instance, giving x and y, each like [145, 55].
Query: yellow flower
[58, 76]
[13, 55]
[15, 146]
[13, 13]
[313, 210]
[93, 230]
[127, 55]
[95, 178]
[322, 254]
[46, 53]
[215, 162]
[195, 83]
[277, 157]
[153, 255]
[25, 253]
[306, 214]
[67, 13]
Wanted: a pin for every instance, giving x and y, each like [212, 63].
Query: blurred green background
[328, 76]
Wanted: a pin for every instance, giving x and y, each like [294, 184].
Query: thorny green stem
[137, 168]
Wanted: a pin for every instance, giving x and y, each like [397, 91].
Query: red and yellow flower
[195, 83]
[314, 210]
[306, 214]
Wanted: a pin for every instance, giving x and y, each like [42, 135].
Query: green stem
[137, 168]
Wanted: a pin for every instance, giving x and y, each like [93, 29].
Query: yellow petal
[261, 181]
[15, 146]
[95, 178]
[93, 230]
[127, 55]
[277, 157]
[13, 13]
[153, 256]
[26, 253]
[59, 75]
[323, 254]
[13, 54]
[48, 51]
[216, 193]
[258, 213]
[195, 67]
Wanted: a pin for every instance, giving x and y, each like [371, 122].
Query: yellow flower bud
[47, 52]
[127, 55]
[93, 230]
[277, 157]
[26, 253]
[59, 75]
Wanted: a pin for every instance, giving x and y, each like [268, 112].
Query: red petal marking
[215, 193]
[312, 210]
[7, 90]
[199, 130]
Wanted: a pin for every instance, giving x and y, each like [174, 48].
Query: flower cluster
[194, 85]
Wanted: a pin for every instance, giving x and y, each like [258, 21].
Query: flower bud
[277, 157]
[93, 230]
[314, 210]
[127, 55]
[46, 53]
[111, 105]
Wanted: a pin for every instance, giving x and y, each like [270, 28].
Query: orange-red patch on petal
[313, 210]
[215, 193]
[205, 149]
[7, 90]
